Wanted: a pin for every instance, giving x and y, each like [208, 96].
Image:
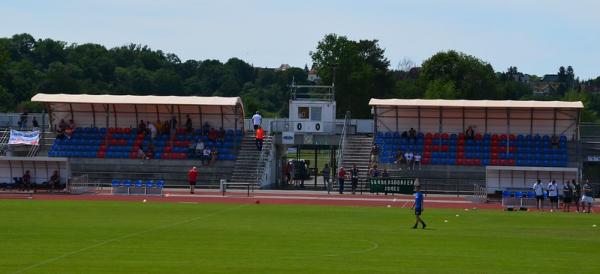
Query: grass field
[135, 237]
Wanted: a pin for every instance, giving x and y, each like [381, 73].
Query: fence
[391, 185]
[450, 186]
[479, 194]
[81, 185]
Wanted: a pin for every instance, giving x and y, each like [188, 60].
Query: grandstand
[505, 134]
[106, 139]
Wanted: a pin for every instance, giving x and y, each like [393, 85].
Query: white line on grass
[374, 245]
[137, 233]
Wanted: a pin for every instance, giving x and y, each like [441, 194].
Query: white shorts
[587, 199]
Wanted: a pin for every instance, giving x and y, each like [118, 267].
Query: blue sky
[535, 36]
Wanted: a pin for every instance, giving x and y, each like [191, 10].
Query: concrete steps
[248, 167]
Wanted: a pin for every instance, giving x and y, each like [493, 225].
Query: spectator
[188, 125]
[412, 133]
[212, 135]
[303, 171]
[198, 148]
[374, 153]
[354, 178]
[553, 195]
[385, 173]
[62, 126]
[417, 163]
[213, 155]
[400, 159]
[341, 177]
[173, 123]
[206, 153]
[192, 176]
[409, 160]
[293, 171]
[23, 120]
[538, 188]
[374, 172]
[54, 181]
[150, 151]
[287, 169]
[555, 141]
[260, 136]
[159, 127]
[26, 181]
[142, 127]
[166, 127]
[256, 120]
[587, 197]
[70, 129]
[153, 130]
[567, 196]
[576, 193]
[35, 123]
[221, 135]
[206, 128]
[140, 153]
[326, 176]
[470, 133]
[404, 135]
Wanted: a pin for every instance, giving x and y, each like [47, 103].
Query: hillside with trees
[360, 69]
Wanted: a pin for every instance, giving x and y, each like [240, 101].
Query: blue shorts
[418, 211]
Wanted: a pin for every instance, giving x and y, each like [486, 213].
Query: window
[315, 114]
[302, 112]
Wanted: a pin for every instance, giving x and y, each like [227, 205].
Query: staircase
[250, 165]
[357, 151]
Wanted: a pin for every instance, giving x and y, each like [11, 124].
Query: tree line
[360, 70]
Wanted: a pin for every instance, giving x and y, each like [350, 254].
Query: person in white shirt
[206, 155]
[409, 160]
[538, 188]
[553, 195]
[418, 160]
[153, 130]
[256, 120]
[199, 148]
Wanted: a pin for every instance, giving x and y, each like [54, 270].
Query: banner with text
[24, 137]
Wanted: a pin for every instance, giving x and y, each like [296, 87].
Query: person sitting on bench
[54, 181]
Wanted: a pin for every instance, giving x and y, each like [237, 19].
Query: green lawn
[135, 237]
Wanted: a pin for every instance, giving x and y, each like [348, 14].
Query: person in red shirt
[341, 177]
[260, 136]
[192, 176]
[212, 135]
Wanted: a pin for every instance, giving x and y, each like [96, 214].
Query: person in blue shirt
[418, 207]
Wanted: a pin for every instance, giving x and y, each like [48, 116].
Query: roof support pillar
[235, 124]
[201, 123]
[463, 120]
[137, 118]
[508, 131]
[115, 113]
[107, 110]
[93, 115]
[419, 118]
[374, 120]
[554, 121]
[71, 109]
[531, 121]
[222, 118]
[179, 115]
[397, 126]
[485, 120]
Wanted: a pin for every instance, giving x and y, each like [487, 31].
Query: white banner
[24, 137]
[287, 137]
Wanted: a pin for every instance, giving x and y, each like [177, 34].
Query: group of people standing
[572, 192]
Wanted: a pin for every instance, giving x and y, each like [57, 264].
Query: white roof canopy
[474, 103]
[136, 99]
[127, 110]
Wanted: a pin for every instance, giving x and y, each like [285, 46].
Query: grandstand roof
[136, 99]
[474, 103]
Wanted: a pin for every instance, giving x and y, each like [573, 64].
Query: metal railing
[342, 145]
[11, 120]
[479, 193]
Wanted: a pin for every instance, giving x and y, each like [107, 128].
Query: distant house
[313, 77]
[548, 84]
[522, 78]
[283, 67]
